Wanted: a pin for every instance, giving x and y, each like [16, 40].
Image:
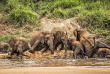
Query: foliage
[5, 38]
[21, 12]
[23, 16]
[94, 14]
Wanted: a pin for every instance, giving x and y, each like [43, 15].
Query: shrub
[97, 18]
[5, 38]
[65, 3]
[93, 6]
[59, 13]
[21, 17]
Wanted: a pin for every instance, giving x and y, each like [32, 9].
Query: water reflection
[7, 63]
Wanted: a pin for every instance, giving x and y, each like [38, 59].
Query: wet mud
[47, 60]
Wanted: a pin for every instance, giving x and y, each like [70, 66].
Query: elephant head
[77, 33]
[18, 45]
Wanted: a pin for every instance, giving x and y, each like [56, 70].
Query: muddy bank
[38, 55]
[102, 53]
[56, 71]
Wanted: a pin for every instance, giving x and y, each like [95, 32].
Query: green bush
[97, 18]
[21, 17]
[93, 6]
[5, 38]
[65, 3]
[59, 13]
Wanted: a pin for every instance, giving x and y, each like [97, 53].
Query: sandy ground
[53, 70]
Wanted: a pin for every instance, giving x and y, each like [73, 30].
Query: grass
[23, 16]
[5, 38]
[21, 12]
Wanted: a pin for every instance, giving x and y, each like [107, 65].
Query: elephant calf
[18, 45]
[77, 48]
[42, 41]
[60, 38]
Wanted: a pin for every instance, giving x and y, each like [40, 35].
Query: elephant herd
[80, 42]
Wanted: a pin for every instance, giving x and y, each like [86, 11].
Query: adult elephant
[60, 38]
[76, 47]
[89, 42]
[18, 45]
[42, 41]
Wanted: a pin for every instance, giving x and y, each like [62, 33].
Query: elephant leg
[20, 56]
[76, 52]
[62, 45]
[43, 50]
[34, 46]
[51, 46]
[92, 52]
[12, 52]
[65, 47]
[55, 44]
[51, 49]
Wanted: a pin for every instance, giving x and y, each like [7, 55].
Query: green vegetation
[5, 38]
[93, 14]
[20, 12]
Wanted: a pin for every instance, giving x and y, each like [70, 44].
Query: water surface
[9, 63]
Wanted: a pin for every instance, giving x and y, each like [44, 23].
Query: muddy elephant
[90, 44]
[102, 53]
[42, 41]
[60, 37]
[76, 47]
[19, 45]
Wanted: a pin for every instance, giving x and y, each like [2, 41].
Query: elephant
[90, 44]
[42, 41]
[60, 37]
[19, 45]
[76, 47]
[102, 53]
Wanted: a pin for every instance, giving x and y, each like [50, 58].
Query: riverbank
[55, 70]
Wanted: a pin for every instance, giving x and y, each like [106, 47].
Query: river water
[79, 63]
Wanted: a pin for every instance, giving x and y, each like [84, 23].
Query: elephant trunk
[103, 45]
[21, 52]
[50, 43]
[108, 47]
[51, 46]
